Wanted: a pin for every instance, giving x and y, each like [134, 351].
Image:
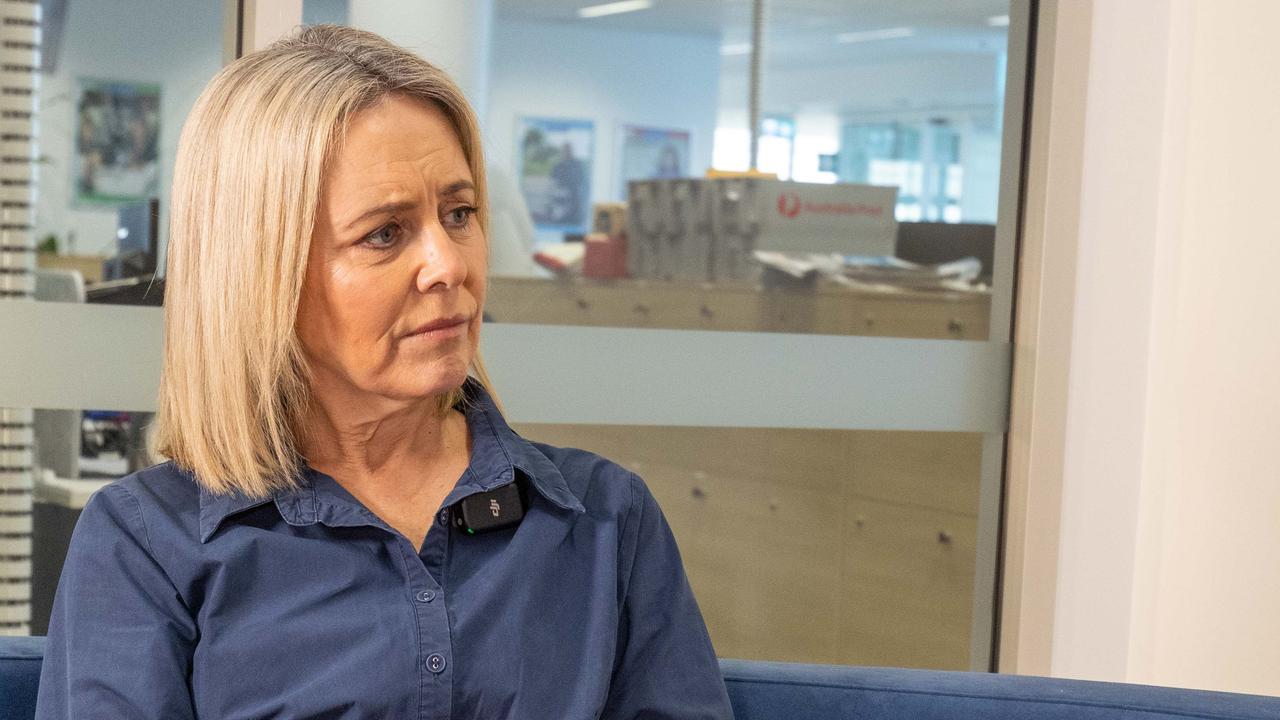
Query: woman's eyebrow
[456, 187]
[395, 206]
[387, 208]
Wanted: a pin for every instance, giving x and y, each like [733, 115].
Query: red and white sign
[815, 217]
[790, 205]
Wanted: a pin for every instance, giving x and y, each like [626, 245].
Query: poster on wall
[647, 153]
[554, 170]
[117, 131]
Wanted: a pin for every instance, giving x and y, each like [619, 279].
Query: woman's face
[396, 247]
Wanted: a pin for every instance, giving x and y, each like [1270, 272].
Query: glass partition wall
[94, 97]
[808, 364]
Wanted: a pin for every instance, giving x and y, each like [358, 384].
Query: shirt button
[435, 663]
[444, 517]
[426, 595]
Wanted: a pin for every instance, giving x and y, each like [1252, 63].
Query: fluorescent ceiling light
[998, 21]
[614, 8]
[869, 35]
[735, 49]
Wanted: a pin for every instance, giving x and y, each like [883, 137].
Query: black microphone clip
[487, 511]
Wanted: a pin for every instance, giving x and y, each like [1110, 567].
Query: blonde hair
[234, 388]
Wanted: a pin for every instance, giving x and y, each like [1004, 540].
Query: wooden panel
[933, 470]
[939, 471]
[728, 308]
[914, 315]
[90, 266]
[787, 311]
[907, 582]
[520, 301]
[749, 549]
[640, 305]
[737, 307]
[767, 522]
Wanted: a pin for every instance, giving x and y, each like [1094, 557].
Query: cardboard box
[609, 218]
[707, 229]
[606, 256]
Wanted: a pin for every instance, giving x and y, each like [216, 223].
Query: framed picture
[553, 159]
[647, 153]
[117, 133]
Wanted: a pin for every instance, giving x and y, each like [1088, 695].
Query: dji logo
[494, 507]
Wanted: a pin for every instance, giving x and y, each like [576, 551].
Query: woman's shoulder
[158, 501]
[599, 483]
[162, 487]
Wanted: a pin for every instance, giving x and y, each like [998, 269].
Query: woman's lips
[439, 330]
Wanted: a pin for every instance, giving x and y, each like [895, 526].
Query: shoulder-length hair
[234, 388]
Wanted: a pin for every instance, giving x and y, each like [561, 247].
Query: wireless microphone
[483, 512]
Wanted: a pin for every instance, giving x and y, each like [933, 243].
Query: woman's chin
[435, 379]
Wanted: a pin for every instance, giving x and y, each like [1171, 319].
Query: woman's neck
[370, 440]
[400, 465]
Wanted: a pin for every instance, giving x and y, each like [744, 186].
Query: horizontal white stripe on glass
[64, 355]
[627, 376]
[74, 355]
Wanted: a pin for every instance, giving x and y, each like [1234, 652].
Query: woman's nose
[440, 263]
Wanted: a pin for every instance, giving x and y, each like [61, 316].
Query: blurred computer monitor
[929, 243]
[137, 240]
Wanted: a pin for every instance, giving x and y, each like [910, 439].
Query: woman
[347, 527]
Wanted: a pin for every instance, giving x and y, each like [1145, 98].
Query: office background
[839, 460]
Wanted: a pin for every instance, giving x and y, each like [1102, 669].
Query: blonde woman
[347, 527]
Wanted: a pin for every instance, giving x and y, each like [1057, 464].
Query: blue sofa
[781, 691]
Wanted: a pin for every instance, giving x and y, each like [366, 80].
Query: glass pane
[97, 105]
[883, 124]
[116, 81]
[75, 454]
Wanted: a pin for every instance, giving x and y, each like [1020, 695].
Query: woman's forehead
[400, 140]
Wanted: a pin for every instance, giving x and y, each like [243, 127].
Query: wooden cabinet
[826, 310]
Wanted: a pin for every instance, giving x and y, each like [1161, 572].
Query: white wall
[315, 12]
[450, 34]
[176, 43]
[817, 133]
[932, 81]
[1118, 237]
[1208, 591]
[1170, 505]
[610, 77]
[964, 88]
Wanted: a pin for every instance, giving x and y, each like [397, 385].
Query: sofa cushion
[20, 659]
[785, 691]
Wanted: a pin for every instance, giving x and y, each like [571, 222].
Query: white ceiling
[800, 32]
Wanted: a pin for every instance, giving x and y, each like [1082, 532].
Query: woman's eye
[383, 237]
[459, 216]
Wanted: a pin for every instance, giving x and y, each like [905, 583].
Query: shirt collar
[497, 452]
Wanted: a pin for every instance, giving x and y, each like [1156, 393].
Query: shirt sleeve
[120, 638]
[665, 667]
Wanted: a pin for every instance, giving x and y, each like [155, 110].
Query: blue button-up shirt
[175, 603]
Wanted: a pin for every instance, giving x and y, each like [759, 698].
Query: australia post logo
[790, 205]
